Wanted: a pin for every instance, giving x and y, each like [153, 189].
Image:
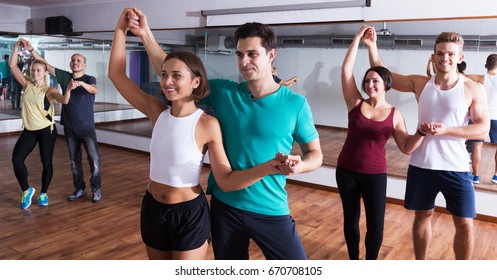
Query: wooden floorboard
[110, 230]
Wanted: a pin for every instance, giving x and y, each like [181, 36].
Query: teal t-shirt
[4, 67]
[253, 132]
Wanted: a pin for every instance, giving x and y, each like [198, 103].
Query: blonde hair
[41, 62]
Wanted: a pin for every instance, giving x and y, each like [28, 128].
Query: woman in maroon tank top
[361, 167]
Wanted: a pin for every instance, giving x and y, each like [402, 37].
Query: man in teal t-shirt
[259, 118]
[6, 76]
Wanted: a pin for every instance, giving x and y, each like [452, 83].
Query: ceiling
[475, 27]
[34, 3]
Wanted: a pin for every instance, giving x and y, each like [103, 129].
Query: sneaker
[43, 199]
[26, 198]
[494, 179]
[77, 194]
[476, 179]
[97, 196]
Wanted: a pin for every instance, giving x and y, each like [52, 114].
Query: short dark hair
[197, 68]
[256, 29]
[384, 73]
[491, 62]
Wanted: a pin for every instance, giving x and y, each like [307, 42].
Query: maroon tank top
[364, 147]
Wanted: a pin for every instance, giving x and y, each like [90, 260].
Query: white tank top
[175, 159]
[442, 152]
[490, 84]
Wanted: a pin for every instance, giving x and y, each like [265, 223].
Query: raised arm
[428, 68]
[16, 72]
[145, 103]
[476, 77]
[404, 83]
[351, 93]
[226, 178]
[37, 56]
[138, 25]
[289, 82]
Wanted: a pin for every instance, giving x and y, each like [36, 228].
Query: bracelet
[421, 133]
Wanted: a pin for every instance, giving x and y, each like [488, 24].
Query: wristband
[421, 133]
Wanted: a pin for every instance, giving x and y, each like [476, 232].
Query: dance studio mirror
[312, 52]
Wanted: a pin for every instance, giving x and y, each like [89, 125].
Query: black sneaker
[97, 196]
[76, 195]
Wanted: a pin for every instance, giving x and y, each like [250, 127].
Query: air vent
[471, 43]
[341, 41]
[480, 43]
[488, 43]
[292, 41]
[408, 42]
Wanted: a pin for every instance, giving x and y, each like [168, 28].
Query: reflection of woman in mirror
[39, 126]
[361, 168]
[175, 219]
[429, 67]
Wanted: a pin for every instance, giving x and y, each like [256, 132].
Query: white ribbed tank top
[175, 159]
[442, 152]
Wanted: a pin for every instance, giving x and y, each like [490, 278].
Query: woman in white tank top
[177, 150]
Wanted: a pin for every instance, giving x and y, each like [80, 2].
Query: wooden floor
[110, 230]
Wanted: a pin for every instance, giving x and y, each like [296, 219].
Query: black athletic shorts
[175, 227]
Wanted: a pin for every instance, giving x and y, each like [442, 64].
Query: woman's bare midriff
[171, 195]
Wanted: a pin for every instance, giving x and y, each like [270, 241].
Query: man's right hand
[137, 22]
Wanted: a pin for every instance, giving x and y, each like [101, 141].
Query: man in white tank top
[446, 101]
[489, 81]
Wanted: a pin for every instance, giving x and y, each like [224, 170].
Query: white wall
[14, 18]
[90, 16]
